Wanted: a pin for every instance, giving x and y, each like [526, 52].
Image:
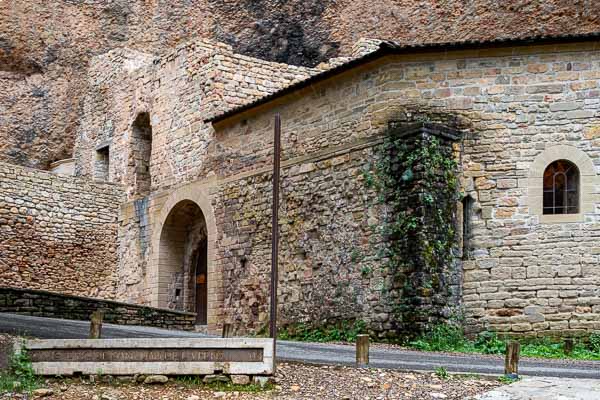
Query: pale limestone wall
[58, 233]
[526, 275]
[178, 90]
[113, 100]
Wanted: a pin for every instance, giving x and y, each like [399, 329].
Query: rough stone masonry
[58, 233]
[176, 135]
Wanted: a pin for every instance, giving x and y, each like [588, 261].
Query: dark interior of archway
[184, 258]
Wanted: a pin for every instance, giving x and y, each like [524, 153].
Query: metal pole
[275, 232]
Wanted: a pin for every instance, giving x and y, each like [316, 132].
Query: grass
[507, 379]
[194, 381]
[451, 339]
[20, 377]
[344, 331]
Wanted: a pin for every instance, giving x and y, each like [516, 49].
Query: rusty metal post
[275, 233]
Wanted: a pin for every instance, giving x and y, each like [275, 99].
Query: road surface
[316, 353]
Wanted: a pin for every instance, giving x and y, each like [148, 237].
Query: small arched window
[561, 188]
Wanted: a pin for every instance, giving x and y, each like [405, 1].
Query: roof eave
[389, 48]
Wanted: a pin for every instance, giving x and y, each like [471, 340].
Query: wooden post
[511, 364]
[569, 344]
[362, 350]
[96, 324]
[227, 331]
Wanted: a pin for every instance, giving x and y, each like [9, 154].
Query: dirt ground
[292, 381]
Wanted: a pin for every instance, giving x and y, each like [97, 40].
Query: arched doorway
[183, 261]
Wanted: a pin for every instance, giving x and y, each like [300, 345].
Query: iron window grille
[561, 188]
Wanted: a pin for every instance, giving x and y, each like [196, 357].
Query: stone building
[503, 227]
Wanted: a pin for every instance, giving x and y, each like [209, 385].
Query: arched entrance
[183, 261]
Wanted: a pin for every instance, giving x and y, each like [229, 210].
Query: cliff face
[45, 45]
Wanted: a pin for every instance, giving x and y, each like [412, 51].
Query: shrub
[343, 331]
[489, 343]
[20, 376]
[595, 342]
[441, 373]
[443, 337]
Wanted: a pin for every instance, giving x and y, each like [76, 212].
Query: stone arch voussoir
[200, 196]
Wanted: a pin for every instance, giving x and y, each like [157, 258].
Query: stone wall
[41, 303]
[177, 91]
[58, 233]
[174, 92]
[328, 268]
[513, 106]
[523, 273]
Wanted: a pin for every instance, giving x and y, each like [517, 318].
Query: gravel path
[318, 353]
[292, 381]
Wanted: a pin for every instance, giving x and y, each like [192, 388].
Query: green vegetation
[343, 331]
[442, 373]
[442, 338]
[20, 376]
[417, 182]
[507, 379]
[397, 170]
[194, 381]
[366, 271]
[451, 338]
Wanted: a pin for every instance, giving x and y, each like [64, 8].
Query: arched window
[141, 153]
[561, 188]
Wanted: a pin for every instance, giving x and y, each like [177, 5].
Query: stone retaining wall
[53, 305]
[58, 232]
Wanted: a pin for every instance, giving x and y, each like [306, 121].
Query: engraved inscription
[146, 355]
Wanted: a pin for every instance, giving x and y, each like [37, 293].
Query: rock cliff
[45, 45]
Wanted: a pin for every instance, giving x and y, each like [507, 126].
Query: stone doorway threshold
[201, 329]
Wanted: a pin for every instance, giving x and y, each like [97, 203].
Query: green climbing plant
[416, 181]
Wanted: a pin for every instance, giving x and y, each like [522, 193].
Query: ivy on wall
[416, 179]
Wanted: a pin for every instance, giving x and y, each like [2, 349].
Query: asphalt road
[316, 353]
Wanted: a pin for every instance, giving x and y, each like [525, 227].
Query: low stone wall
[58, 233]
[54, 305]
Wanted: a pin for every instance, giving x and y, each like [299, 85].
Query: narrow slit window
[561, 188]
[102, 164]
[467, 206]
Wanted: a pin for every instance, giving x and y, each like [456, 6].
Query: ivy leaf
[407, 176]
